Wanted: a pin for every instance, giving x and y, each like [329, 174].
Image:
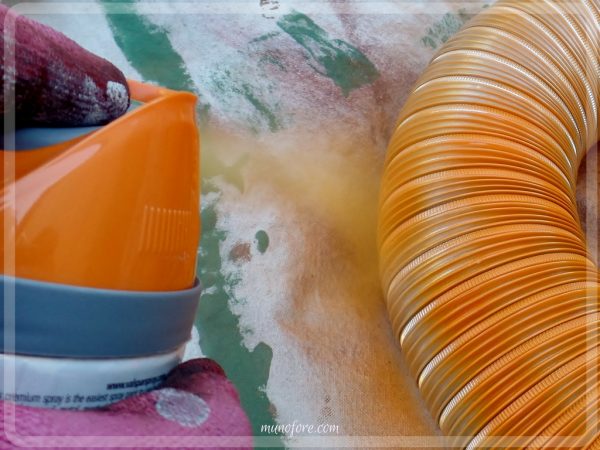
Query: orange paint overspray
[316, 197]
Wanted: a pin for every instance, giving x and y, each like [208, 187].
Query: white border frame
[225, 7]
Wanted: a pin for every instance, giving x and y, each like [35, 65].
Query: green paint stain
[445, 28]
[269, 58]
[264, 37]
[262, 241]
[271, 118]
[341, 62]
[227, 84]
[220, 333]
[148, 49]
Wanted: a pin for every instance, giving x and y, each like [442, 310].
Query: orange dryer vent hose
[484, 266]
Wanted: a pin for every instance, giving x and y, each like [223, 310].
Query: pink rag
[196, 407]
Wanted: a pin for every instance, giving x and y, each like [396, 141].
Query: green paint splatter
[219, 328]
[270, 58]
[262, 240]
[227, 84]
[148, 49]
[264, 37]
[341, 62]
[271, 118]
[445, 28]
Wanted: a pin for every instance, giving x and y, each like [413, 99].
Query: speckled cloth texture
[196, 407]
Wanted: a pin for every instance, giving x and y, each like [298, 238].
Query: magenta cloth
[196, 407]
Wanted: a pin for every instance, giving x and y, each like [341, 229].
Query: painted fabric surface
[297, 102]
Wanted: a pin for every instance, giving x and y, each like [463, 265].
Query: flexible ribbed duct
[483, 260]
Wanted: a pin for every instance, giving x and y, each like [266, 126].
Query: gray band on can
[78, 322]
